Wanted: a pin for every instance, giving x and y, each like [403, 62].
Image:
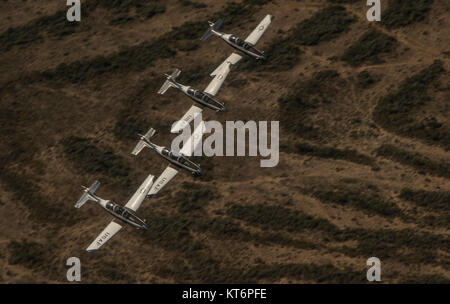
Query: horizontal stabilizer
[212, 26]
[140, 145]
[88, 194]
[167, 84]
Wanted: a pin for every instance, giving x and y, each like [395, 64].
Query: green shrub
[131, 58]
[403, 12]
[394, 111]
[415, 160]
[365, 80]
[42, 208]
[192, 4]
[426, 279]
[303, 99]
[438, 200]
[194, 197]
[387, 243]
[333, 153]
[323, 26]
[27, 253]
[368, 48]
[318, 273]
[355, 198]
[284, 53]
[85, 154]
[279, 218]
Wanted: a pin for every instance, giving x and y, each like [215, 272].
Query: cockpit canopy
[200, 95]
[176, 157]
[240, 42]
[119, 210]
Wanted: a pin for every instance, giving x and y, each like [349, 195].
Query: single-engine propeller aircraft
[177, 159]
[202, 98]
[221, 72]
[243, 46]
[170, 172]
[124, 215]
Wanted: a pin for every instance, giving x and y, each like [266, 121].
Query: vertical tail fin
[141, 144]
[88, 195]
[168, 83]
[212, 27]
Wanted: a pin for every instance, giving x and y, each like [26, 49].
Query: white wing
[162, 180]
[186, 119]
[259, 30]
[194, 140]
[221, 72]
[136, 200]
[111, 230]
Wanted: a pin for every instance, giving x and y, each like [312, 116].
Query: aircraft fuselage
[200, 97]
[178, 160]
[241, 46]
[122, 213]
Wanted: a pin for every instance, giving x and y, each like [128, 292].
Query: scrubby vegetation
[42, 208]
[343, 1]
[304, 98]
[133, 117]
[131, 58]
[403, 12]
[323, 26]
[194, 196]
[366, 80]
[284, 53]
[368, 48]
[129, 10]
[192, 4]
[29, 254]
[438, 200]
[415, 160]
[426, 279]
[56, 26]
[308, 272]
[333, 153]
[395, 111]
[145, 54]
[85, 154]
[278, 218]
[387, 243]
[363, 197]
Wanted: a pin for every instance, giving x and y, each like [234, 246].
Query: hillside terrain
[364, 164]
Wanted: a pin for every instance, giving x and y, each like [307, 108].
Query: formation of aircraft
[126, 215]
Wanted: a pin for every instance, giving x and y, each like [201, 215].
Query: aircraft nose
[224, 109]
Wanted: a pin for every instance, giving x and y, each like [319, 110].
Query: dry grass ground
[364, 160]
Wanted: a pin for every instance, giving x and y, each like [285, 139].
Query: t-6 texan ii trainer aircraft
[202, 98]
[123, 215]
[221, 72]
[177, 160]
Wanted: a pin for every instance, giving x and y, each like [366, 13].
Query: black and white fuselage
[199, 96]
[122, 213]
[178, 160]
[240, 45]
